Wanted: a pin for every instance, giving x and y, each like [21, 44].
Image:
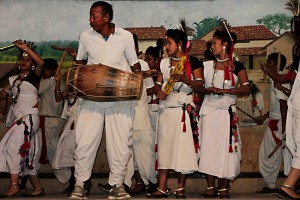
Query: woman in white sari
[19, 148]
[220, 150]
[177, 132]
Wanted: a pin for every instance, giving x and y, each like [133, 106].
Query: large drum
[103, 83]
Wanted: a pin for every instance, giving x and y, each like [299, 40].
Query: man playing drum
[113, 46]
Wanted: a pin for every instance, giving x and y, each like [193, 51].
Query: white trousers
[89, 128]
[143, 159]
[144, 154]
[53, 128]
[269, 167]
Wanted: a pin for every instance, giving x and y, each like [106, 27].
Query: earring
[33, 68]
[179, 48]
[19, 67]
[224, 48]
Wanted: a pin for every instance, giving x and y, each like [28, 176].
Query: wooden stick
[275, 149]
[61, 62]
[58, 48]
[244, 112]
[277, 146]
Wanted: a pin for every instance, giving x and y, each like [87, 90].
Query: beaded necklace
[21, 78]
[228, 70]
[175, 59]
[221, 60]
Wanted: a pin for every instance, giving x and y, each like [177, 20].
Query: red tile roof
[198, 47]
[255, 32]
[244, 33]
[148, 33]
[250, 51]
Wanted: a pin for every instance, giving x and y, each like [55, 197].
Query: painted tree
[278, 23]
[205, 26]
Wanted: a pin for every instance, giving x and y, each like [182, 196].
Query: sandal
[42, 193]
[207, 196]
[162, 194]
[180, 193]
[283, 194]
[3, 196]
[223, 196]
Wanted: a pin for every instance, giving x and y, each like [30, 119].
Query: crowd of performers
[185, 120]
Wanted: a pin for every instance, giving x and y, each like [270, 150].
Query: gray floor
[189, 196]
[242, 188]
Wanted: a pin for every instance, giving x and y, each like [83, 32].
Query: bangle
[158, 83]
[246, 83]
[25, 49]
[199, 79]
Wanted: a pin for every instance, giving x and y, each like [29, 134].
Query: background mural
[45, 20]
[59, 22]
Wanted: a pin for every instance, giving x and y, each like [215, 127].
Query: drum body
[103, 83]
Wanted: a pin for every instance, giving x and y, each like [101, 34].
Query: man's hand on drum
[72, 52]
[161, 95]
[140, 73]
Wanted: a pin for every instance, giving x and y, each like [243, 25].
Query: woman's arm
[244, 88]
[37, 59]
[197, 83]
[283, 89]
[281, 78]
[4, 92]
[59, 96]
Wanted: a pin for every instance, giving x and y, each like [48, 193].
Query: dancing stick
[61, 61]
[277, 146]
[58, 48]
[244, 112]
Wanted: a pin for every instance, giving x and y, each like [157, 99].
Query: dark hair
[160, 43]
[295, 28]
[274, 57]
[224, 37]
[50, 64]
[106, 8]
[178, 35]
[135, 38]
[208, 55]
[254, 89]
[153, 51]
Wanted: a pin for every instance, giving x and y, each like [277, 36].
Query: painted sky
[44, 20]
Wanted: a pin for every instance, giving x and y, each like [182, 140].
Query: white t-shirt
[118, 51]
